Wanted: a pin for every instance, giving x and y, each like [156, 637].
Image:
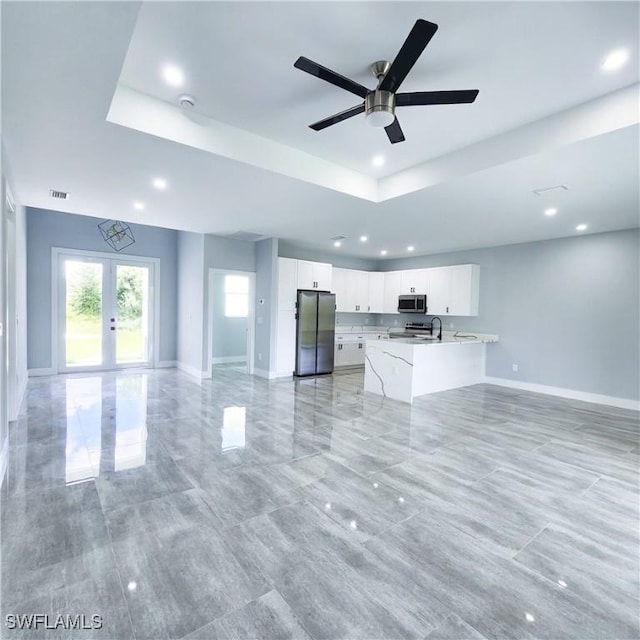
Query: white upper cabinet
[287, 279]
[453, 291]
[314, 275]
[392, 289]
[323, 275]
[339, 282]
[357, 290]
[376, 292]
[413, 281]
[438, 291]
[465, 290]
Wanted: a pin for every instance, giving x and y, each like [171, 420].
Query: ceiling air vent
[247, 236]
[550, 190]
[61, 195]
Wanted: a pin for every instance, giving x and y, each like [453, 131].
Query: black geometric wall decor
[116, 234]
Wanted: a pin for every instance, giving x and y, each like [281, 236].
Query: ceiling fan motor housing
[380, 107]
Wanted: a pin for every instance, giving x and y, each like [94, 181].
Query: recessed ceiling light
[581, 227]
[410, 247]
[160, 183]
[138, 205]
[615, 60]
[377, 161]
[551, 211]
[173, 75]
[363, 238]
[529, 617]
[383, 252]
[337, 243]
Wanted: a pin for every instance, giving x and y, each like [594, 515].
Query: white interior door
[104, 313]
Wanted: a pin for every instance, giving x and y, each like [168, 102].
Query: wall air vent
[61, 195]
[546, 191]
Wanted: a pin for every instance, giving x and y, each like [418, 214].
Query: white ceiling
[62, 64]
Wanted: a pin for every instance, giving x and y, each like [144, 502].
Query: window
[236, 296]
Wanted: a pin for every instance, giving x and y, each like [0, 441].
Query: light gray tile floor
[246, 508]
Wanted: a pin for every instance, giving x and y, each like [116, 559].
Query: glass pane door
[132, 313]
[105, 309]
[83, 313]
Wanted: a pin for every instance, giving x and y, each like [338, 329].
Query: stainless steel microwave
[416, 303]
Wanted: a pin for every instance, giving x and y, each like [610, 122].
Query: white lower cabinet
[349, 351]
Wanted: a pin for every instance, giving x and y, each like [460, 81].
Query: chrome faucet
[440, 321]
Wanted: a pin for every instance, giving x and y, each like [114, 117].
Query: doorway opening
[231, 313]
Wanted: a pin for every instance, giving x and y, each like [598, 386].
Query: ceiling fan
[380, 103]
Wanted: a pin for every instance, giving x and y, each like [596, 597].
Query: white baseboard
[21, 390]
[263, 373]
[50, 371]
[572, 394]
[4, 459]
[192, 371]
[228, 359]
[166, 364]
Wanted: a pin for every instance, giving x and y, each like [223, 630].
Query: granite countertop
[449, 337]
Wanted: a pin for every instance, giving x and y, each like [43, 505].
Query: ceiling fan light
[380, 108]
[380, 118]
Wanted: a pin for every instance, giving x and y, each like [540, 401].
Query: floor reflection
[106, 425]
[233, 428]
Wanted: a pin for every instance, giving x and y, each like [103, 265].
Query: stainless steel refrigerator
[315, 332]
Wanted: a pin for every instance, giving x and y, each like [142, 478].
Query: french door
[104, 312]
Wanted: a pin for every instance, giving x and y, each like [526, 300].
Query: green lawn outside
[84, 341]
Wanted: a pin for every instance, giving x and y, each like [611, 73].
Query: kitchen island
[405, 368]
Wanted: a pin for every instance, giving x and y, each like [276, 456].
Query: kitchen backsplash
[399, 320]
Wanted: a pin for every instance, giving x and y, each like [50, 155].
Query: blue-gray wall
[190, 307]
[266, 296]
[567, 310]
[229, 334]
[47, 229]
[336, 258]
[223, 253]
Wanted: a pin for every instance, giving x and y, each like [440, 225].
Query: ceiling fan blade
[338, 117]
[394, 132]
[435, 97]
[315, 69]
[410, 51]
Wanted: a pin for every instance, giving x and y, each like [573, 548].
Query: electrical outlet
[366, 320]
[451, 325]
[514, 367]
[395, 322]
[395, 371]
[259, 356]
